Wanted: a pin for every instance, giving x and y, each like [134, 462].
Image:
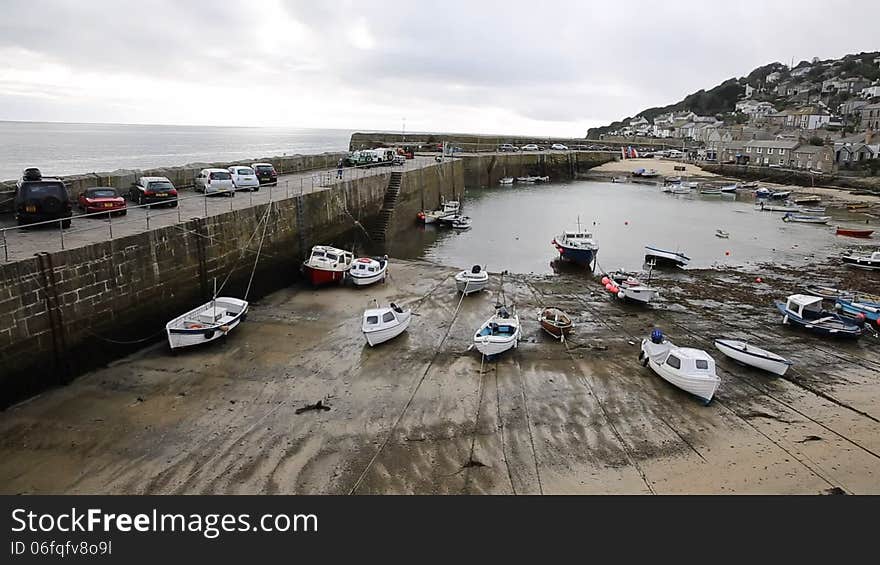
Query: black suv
[39, 199]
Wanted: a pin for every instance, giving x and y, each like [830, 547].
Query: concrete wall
[182, 177]
[487, 170]
[473, 142]
[59, 311]
[801, 178]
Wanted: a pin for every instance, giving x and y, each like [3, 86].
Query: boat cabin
[366, 267]
[804, 306]
[330, 256]
[380, 318]
[690, 361]
[578, 238]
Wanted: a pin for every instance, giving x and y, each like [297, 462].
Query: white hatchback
[244, 178]
[215, 181]
[558, 147]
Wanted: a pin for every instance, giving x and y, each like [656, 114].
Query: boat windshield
[387, 317]
[673, 362]
[332, 256]
[317, 254]
[702, 364]
[372, 320]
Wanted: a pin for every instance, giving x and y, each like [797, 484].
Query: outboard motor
[476, 269]
[657, 336]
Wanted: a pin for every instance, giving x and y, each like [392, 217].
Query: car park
[266, 173]
[215, 181]
[153, 190]
[244, 178]
[39, 199]
[100, 199]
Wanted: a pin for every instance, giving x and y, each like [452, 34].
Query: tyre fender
[209, 333]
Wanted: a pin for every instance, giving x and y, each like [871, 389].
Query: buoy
[605, 280]
[759, 280]
[614, 290]
[608, 286]
[626, 223]
[727, 253]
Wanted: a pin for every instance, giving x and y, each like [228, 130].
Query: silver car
[215, 181]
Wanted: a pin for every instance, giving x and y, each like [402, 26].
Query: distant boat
[646, 173]
[753, 356]
[871, 262]
[781, 195]
[526, 180]
[506, 180]
[722, 234]
[661, 256]
[790, 217]
[710, 191]
[812, 199]
[729, 189]
[751, 184]
[854, 233]
[858, 206]
[763, 192]
[677, 189]
[618, 179]
[691, 370]
[461, 223]
[773, 208]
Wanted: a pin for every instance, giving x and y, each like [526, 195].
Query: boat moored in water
[691, 370]
[506, 180]
[754, 356]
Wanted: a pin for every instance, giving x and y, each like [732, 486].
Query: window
[673, 362]
[748, 149]
[371, 320]
[782, 151]
[387, 317]
[760, 149]
[769, 151]
[781, 161]
[702, 364]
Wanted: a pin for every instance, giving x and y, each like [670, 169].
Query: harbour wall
[181, 177]
[488, 169]
[64, 313]
[799, 178]
[487, 143]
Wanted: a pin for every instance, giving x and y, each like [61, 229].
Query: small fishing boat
[544, 178]
[663, 257]
[753, 356]
[618, 179]
[811, 199]
[819, 210]
[827, 292]
[208, 322]
[450, 207]
[365, 271]
[722, 234]
[646, 173]
[689, 185]
[577, 246]
[672, 180]
[498, 334]
[327, 265]
[710, 191]
[764, 207]
[555, 322]
[526, 180]
[854, 233]
[431, 217]
[729, 189]
[751, 184]
[780, 195]
[763, 192]
[506, 180]
[870, 310]
[475, 280]
[806, 312]
[450, 219]
[870, 262]
[382, 324]
[461, 223]
[804, 219]
[691, 370]
[626, 286]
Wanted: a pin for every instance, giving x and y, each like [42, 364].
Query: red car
[101, 199]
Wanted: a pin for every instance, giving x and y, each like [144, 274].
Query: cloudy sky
[549, 67]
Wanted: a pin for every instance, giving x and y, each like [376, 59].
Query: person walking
[339, 166]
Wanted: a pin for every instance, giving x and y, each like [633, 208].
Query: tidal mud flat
[423, 414]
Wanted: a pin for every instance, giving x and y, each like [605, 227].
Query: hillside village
[822, 116]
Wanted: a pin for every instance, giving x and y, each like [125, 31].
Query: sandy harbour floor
[417, 415]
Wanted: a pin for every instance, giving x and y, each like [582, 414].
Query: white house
[774, 76]
[870, 91]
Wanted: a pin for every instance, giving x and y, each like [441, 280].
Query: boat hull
[470, 286]
[179, 338]
[638, 294]
[662, 257]
[753, 356]
[834, 326]
[855, 233]
[321, 277]
[490, 346]
[862, 263]
[367, 281]
[871, 311]
[376, 337]
[703, 387]
[579, 256]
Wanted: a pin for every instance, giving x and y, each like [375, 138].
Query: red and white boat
[327, 265]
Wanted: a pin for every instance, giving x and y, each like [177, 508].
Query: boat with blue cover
[855, 306]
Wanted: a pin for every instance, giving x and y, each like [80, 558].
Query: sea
[69, 148]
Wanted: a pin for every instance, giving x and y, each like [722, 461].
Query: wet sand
[422, 414]
[664, 167]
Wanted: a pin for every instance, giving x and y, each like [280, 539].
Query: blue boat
[577, 246]
[806, 312]
[854, 307]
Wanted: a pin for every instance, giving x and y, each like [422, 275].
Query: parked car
[558, 147]
[40, 199]
[244, 178]
[102, 199]
[215, 181]
[265, 173]
[508, 147]
[530, 147]
[153, 190]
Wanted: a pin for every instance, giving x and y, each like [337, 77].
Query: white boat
[722, 234]
[870, 262]
[506, 180]
[803, 219]
[526, 180]
[475, 280]
[710, 191]
[382, 324]
[498, 334]
[461, 223]
[660, 256]
[627, 287]
[753, 356]
[327, 265]
[676, 189]
[691, 370]
[545, 178]
[450, 207]
[431, 217]
[452, 219]
[729, 189]
[208, 322]
[780, 195]
[618, 179]
[365, 271]
[773, 208]
[689, 184]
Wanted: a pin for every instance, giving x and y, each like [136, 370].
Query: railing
[152, 214]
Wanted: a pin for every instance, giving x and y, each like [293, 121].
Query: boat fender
[224, 329]
[209, 333]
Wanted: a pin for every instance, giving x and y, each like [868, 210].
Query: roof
[782, 144]
[691, 353]
[156, 179]
[811, 149]
[804, 299]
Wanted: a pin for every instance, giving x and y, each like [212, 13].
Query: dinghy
[751, 184]
[729, 189]
[577, 246]
[544, 178]
[368, 270]
[854, 233]
[813, 199]
[722, 234]
[381, 324]
[800, 218]
[772, 208]
[475, 280]
[447, 208]
[870, 262]
[806, 312]
[498, 334]
[753, 356]
[555, 322]
[710, 191]
[506, 181]
[763, 192]
[627, 287]
[618, 179]
[691, 370]
[208, 322]
[780, 195]
[461, 223]
[327, 265]
[526, 180]
[663, 257]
